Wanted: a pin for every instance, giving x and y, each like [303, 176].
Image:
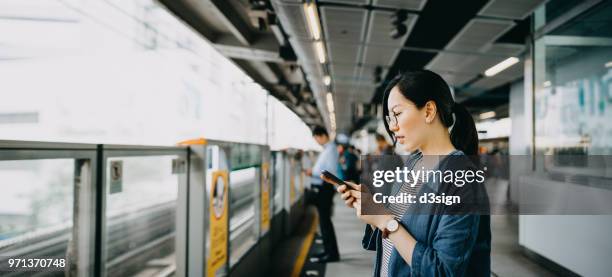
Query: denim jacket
[447, 244]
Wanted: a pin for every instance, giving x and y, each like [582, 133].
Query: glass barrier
[573, 96]
[243, 224]
[278, 183]
[308, 161]
[245, 155]
[296, 175]
[288, 180]
[140, 215]
[245, 196]
[141, 205]
[36, 208]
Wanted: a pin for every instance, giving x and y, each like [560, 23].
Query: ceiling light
[320, 51]
[487, 115]
[608, 64]
[313, 20]
[327, 80]
[501, 66]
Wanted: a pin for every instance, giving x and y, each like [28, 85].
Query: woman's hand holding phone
[349, 191]
[350, 195]
[352, 198]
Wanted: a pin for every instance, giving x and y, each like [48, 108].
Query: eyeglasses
[391, 120]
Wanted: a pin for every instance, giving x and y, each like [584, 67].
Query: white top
[327, 160]
[398, 210]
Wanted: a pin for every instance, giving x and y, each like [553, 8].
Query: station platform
[181, 137]
[507, 257]
[295, 254]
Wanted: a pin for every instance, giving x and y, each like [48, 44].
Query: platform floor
[506, 256]
[355, 261]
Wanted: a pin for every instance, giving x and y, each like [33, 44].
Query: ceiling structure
[248, 33]
[336, 75]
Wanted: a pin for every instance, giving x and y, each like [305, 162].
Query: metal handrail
[44, 145]
[139, 150]
[31, 150]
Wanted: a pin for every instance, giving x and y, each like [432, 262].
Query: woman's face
[411, 128]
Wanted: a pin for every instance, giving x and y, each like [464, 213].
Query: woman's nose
[394, 128]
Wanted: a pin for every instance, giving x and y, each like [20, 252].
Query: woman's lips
[400, 138]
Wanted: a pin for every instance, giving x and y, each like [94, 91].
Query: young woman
[421, 115]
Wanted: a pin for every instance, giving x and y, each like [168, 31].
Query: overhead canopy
[353, 54]
[248, 33]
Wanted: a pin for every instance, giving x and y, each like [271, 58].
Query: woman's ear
[430, 111]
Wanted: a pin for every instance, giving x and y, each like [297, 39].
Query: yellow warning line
[299, 262]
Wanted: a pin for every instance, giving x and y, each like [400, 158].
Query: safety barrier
[204, 208]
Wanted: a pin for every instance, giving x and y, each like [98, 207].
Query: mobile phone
[335, 179]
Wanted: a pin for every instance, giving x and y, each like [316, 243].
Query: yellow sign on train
[218, 209]
[265, 197]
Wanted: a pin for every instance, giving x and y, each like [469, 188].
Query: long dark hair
[421, 86]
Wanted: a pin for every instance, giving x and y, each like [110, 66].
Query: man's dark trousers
[324, 203]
